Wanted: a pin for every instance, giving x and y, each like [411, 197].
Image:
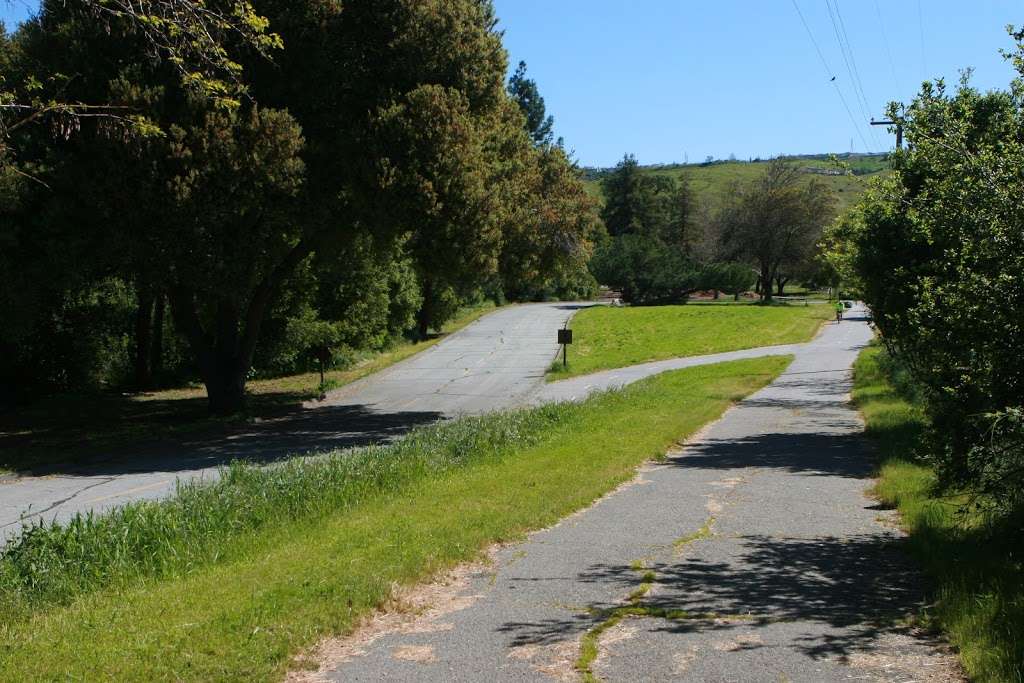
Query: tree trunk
[423, 317]
[736, 296]
[143, 337]
[221, 366]
[224, 353]
[780, 284]
[765, 282]
[156, 364]
[225, 388]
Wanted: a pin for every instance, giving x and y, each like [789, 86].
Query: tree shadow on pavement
[297, 432]
[809, 453]
[846, 593]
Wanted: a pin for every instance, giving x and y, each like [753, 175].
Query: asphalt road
[496, 362]
[761, 539]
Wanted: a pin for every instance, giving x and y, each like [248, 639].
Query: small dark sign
[565, 336]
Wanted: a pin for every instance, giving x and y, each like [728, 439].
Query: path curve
[498, 361]
[759, 538]
[495, 362]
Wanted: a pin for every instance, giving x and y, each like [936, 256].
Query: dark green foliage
[625, 204]
[361, 298]
[525, 93]
[937, 250]
[645, 270]
[650, 255]
[379, 170]
[80, 344]
[731, 278]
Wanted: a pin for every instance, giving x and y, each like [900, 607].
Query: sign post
[565, 338]
[323, 354]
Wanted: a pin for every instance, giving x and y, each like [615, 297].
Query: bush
[937, 250]
[78, 341]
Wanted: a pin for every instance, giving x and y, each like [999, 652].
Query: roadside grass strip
[237, 579]
[605, 337]
[974, 566]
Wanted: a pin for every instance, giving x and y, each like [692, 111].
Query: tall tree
[624, 201]
[774, 220]
[548, 244]
[234, 179]
[434, 170]
[395, 99]
[651, 254]
[525, 93]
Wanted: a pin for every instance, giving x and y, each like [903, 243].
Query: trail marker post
[565, 338]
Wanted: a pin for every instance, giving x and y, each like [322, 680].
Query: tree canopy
[937, 251]
[775, 222]
[526, 94]
[375, 156]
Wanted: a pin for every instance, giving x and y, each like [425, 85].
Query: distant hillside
[711, 180]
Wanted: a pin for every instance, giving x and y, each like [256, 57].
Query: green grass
[71, 427]
[974, 567]
[606, 337]
[256, 569]
[712, 183]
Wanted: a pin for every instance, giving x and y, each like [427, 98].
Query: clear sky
[674, 79]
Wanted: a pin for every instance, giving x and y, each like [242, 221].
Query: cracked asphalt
[796, 576]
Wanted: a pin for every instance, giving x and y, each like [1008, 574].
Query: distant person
[839, 311]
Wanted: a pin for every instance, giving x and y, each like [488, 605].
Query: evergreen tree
[624, 201]
[525, 93]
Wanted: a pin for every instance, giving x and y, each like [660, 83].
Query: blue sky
[674, 79]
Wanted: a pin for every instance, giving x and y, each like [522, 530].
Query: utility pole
[899, 130]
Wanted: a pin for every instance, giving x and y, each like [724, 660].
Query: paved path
[496, 362]
[759, 534]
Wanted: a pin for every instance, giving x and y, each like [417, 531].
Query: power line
[851, 65]
[853, 120]
[888, 52]
[810, 35]
[831, 75]
[856, 71]
[846, 62]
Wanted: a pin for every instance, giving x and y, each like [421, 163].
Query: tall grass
[974, 564]
[53, 562]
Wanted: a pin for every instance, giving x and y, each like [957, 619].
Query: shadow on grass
[973, 563]
[74, 432]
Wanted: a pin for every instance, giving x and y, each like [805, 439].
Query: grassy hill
[711, 181]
